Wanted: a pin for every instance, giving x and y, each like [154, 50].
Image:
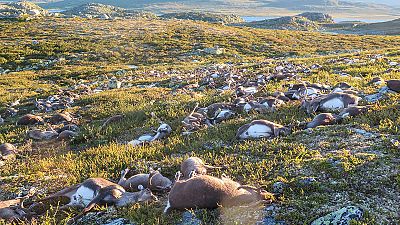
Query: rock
[279, 187]
[214, 51]
[11, 112]
[118, 221]
[307, 181]
[363, 133]
[21, 10]
[317, 17]
[189, 218]
[342, 216]
[269, 220]
[374, 97]
[113, 83]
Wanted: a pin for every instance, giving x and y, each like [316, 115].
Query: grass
[349, 168]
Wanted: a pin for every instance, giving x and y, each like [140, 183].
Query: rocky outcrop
[317, 17]
[100, 11]
[21, 10]
[206, 17]
[286, 23]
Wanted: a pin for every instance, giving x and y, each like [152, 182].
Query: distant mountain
[371, 9]
[387, 28]
[96, 10]
[206, 17]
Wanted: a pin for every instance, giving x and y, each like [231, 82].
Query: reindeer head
[146, 195]
[261, 194]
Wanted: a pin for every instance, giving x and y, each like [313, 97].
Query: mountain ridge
[240, 7]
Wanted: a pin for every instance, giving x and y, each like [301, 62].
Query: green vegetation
[349, 168]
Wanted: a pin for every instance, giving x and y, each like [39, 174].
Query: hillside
[307, 21]
[387, 28]
[21, 10]
[206, 17]
[77, 73]
[246, 8]
[96, 10]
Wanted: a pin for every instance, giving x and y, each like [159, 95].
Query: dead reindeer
[111, 120]
[208, 192]
[195, 120]
[162, 131]
[59, 118]
[393, 85]
[354, 111]
[323, 119]
[330, 102]
[30, 119]
[7, 151]
[11, 210]
[261, 129]
[193, 166]
[98, 191]
[155, 181]
[218, 112]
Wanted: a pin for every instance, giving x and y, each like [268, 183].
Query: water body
[56, 10]
[337, 20]
[258, 18]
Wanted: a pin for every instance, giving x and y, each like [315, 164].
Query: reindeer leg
[178, 176]
[192, 174]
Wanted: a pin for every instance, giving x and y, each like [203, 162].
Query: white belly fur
[333, 104]
[83, 196]
[224, 113]
[257, 131]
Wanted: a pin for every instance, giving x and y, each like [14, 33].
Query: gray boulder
[342, 216]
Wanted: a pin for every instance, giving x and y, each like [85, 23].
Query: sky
[388, 2]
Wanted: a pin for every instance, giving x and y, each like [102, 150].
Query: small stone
[307, 181]
[374, 97]
[342, 216]
[269, 220]
[189, 218]
[279, 187]
[118, 221]
[363, 133]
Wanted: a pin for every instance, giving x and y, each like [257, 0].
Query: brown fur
[196, 165]
[314, 105]
[354, 111]
[322, 120]
[154, 180]
[111, 120]
[210, 192]
[394, 85]
[7, 151]
[60, 118]
[30, 119]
